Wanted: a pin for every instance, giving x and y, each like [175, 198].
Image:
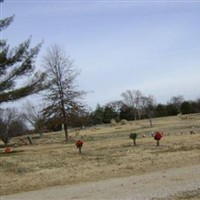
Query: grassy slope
[107, 152]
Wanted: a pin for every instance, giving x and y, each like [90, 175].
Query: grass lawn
[107, 152]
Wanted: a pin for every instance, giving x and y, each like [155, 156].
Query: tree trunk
[65, 120]
[150, 121]
[135, 115]
[66, 132]
[134, 142]
[5, 139]
[158, 143]
[139, 115]
[40, 131]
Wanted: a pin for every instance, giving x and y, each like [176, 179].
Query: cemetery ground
[107, 153]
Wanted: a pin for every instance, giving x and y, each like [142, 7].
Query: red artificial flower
[79, 143]
[7, 150]
[158, 135]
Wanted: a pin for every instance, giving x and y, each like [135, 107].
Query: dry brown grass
[107, 152]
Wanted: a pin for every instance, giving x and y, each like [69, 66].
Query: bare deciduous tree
[34, 116]
[147, 106]
[177, 101]
[140, 103]
[132, 98]
[11, 124]
[62, 96]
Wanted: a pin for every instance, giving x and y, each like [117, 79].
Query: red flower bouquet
[79, 144]
[7, 150]
[158, 135]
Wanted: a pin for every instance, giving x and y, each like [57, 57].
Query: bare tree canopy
[177, 101]
[33, 115]
[62, 95]
[140, 103]
[11, 124]
[132, 98]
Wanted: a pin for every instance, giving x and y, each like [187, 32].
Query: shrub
[133, 136]
[113, 122]
[124, 121]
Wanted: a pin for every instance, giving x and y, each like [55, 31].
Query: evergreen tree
[98, 115]
[109, 114]
[161, 110]
[17, 63]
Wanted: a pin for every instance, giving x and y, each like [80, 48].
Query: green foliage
[171, 109]
[16, 64]
[109, 114]
[127, 113]
[133, 136]
[104, 114]
[188, 107]
[161, 110]
[97, 116]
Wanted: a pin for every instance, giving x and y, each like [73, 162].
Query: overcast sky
[153, 46]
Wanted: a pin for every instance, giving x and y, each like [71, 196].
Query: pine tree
[18, 63]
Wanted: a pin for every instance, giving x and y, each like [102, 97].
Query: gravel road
[157, 185]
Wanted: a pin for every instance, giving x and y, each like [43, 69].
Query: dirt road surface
[162, 185]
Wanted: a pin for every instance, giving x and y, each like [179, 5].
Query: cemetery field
[107, 152]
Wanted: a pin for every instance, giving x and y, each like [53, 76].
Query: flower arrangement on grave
[7, 150]
[79, 145]
[157, 136]
[133, 136]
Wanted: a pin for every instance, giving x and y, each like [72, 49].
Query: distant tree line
[119, 110]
